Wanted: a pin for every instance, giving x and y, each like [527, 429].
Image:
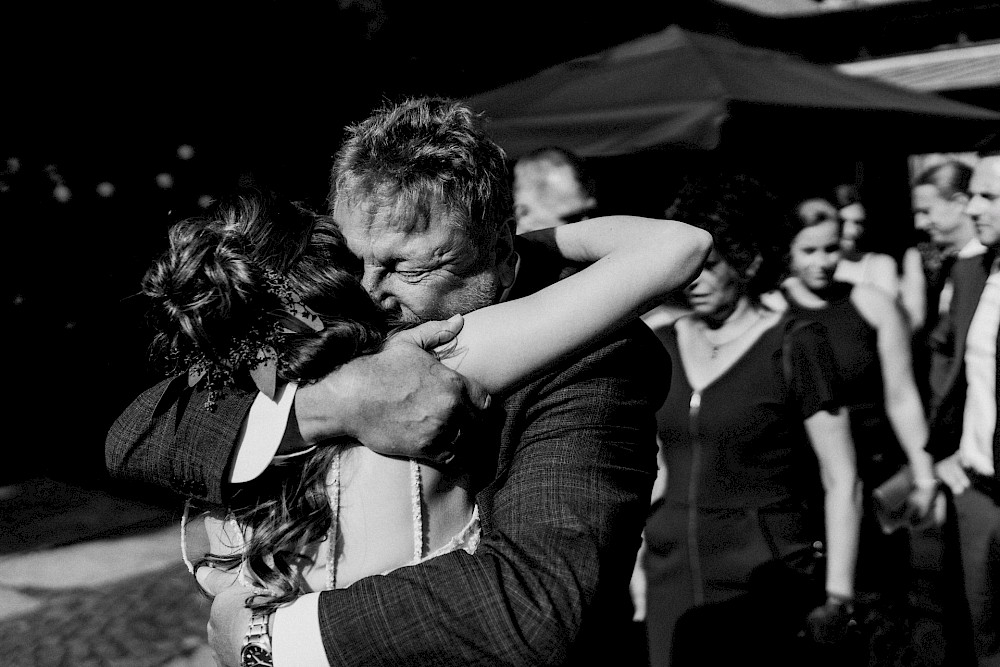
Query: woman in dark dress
[871, 345]
[758, 467]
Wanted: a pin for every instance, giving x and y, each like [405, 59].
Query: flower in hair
[254, 351]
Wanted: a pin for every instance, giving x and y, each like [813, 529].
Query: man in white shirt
[970, 472]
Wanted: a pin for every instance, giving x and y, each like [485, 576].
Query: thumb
[430, 335]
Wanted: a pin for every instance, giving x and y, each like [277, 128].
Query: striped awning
[958, 68]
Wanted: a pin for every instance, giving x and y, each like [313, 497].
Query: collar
[517, 269]
[973, 248]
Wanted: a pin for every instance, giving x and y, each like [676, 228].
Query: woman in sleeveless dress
[904, 281]
[871, 345]
[758, 476]
[233, 313]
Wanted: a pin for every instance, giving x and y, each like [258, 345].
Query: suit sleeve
[168, 438]
[562, 522]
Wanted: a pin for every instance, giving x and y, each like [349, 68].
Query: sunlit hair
[210, 288]
[421, 159]
[742, 217]
[949, 178]
[557, 156]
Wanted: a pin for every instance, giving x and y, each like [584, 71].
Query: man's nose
[375, 284]
[975, 206]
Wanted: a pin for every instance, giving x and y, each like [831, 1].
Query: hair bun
[205, 290]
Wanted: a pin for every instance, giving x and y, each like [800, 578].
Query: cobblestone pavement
[147, 620]
[74, 592]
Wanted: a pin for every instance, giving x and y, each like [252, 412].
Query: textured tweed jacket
[562, 511]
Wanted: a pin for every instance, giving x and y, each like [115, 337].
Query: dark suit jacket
[947, 348]
[562, 515]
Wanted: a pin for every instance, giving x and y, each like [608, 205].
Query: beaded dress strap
[416, 505]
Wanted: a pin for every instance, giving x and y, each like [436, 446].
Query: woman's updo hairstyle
[230, 283]
[742, 217]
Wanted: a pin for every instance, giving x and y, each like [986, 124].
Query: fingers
[477, 399]
[430, 335]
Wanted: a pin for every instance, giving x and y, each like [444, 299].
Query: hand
[949, 471]
[213, 580]
[832, 622]
[399, 402]
[228, 624]
[926, 507]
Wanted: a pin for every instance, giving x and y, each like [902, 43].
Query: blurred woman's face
[714, 293]
[815, 252]
[852, 218]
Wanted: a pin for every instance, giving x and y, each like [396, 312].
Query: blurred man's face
[984, 200]
[943, 218]
[421, 272]
[546, 195]
[852, 219]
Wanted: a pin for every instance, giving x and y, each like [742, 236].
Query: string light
[185, 151]
[165, 180]
[106, 189]
[62, 193]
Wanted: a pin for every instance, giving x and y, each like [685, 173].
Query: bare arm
[913, 289]
[633, 263]
[902, 400]
[830, 435]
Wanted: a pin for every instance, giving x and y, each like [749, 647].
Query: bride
[345, 512]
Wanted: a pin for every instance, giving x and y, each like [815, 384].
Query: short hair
[425, 157]
[949, 178]
[562, 157]
[742, 217]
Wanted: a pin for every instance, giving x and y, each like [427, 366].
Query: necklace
[717, 345]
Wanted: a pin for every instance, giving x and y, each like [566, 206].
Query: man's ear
[754, 266]
[506, 259]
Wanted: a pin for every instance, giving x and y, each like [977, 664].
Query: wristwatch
[257, 642]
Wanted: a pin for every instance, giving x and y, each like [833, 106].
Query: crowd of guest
[827, 489]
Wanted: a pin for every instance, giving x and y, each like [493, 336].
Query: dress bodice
[740, 440]
[854, 343]
[369, 517]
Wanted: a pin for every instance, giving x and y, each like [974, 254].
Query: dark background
[261, 91]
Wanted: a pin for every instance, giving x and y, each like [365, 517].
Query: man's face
[984, 200]
[852, 219]
[428, 273]
[546, 195]
[942, 218]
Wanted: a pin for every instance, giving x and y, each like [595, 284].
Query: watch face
[255, 655]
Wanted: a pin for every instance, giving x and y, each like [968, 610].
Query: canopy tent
[677, 88]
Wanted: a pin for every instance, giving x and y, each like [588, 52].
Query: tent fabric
[678, 88]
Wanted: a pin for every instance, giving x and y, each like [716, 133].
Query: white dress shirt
[980, 418]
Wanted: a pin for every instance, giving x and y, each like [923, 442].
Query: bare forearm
[666, 253]
[906, 414]
[842, 507]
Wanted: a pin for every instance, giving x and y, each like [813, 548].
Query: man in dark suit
[973, 459]
[940, 196]
[564, 502]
